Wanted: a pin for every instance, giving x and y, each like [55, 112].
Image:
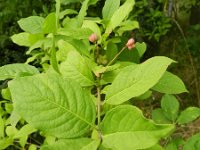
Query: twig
[191, 61]
[110, 63]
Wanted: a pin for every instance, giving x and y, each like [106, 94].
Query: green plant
[154, 21]
[11, 11]
[170, 113]
[79, 96]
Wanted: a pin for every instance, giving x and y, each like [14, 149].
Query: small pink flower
[130, 44]
[93, 38]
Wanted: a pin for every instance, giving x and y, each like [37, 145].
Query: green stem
[99, 105]
[53, 59]
[110, 63]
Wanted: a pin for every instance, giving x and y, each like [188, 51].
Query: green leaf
[67, 12]
[135, 80]
[92, 26]
[11, 71]
[83, 12]
[141, 48]
[31, 24]
[33, 38]
[24, 131]
[159, 117]
[109, 8]
[2, 127]
[119, 15]
[108, 77]
[64, 48]
[14, 118]
[111, 50]
[78, 33]
[170, 84]
[49, 25]
[21, 39]
[155, 147]
[23, 134]
[193, 143]
[76, 68]
[144, 96]
[11, 131]
[32, 147]
[5, 94]
[5, 142]
[170, 106]
[81, 47]
[127, 26]
[125, 128]
[58, 107]
[73, 144]
[188, 115]
[65, 2]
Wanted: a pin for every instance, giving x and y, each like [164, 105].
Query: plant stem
[110, 63]
[99, 105]
[53, 59]
[191, 61]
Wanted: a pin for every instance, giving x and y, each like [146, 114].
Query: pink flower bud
[130, 44]
[93, 38]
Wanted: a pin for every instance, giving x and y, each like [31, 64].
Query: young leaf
[159, 117]
[193, 143]
[170, 84]
[83, 12]
[125, 128]
[31, 24]
[109, 8]
[127, 26]
[49, 25]
[141, 48]
[78, 33]
[170, 106]
[67, 12]
[92, 26]
[11, 71]
[135, 80]
[77, 69]
[6, 142]
[111, 50]
[64, 48]
[25, 131]
[119, 15]
[188, 115]
[56, 106]
[21, 39]
[73, 144]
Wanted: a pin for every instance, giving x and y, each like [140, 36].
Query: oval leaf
[76, 68]
[73, 144]
[49, 25]
[170, 84]
[109, 8]
[119, 15]
[58, 107]
[193, 143]
[135, 80]
[125, 128]
[14, 70]
[32, 24]
[170, 107]
[21, 39]
[188, 115]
